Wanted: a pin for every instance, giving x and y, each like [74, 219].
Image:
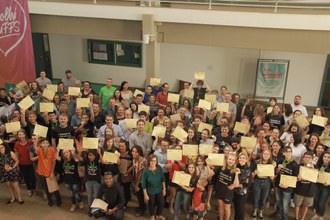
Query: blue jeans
[282, 202]
[92, 189]
[261, 189]
[321, 197]
[181, 195]
[74, 190]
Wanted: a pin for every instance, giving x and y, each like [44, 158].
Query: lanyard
[286, 162]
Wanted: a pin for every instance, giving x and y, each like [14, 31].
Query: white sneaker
[291, 204]
[29, 192]
[73, 208]
[315, 217]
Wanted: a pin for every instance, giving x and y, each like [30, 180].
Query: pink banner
[16, 51]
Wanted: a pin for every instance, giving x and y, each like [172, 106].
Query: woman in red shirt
[21, 149]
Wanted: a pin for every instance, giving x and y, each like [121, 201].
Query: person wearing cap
[68, 81]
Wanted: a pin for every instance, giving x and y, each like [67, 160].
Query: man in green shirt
[106, 92]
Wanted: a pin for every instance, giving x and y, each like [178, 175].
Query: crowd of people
[143, 166]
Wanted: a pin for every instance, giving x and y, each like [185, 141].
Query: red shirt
[23, 152]
[198, 198]
[176, 166]
[162, 99]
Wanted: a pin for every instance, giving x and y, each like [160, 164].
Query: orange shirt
[45, 161]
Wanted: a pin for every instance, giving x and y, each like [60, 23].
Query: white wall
[70, 52]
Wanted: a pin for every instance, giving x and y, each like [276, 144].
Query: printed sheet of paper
[159, 131]
[248, 142]
[155, 81]
[110, 157]
[326, 142]
[204, 104]
[188, 93]
[290, 181]
[65, 144]
[26, 103]
[323, 178]
[210, 98]
[190, 150]
[40, 130]
[308, 174]
[180, 134]
[173, 154]
[131, 123]
[48, 94]
[203, 126]
[182, 178]
[216, 159]
[265, 170]
[1, 142]
[83, 102]
[13, 126]
[46, 107]
[269, 110]
[242, 128]
[174, 118]
[199, 75]
[205, 149]
[52, 184]
[302, 121]
[145, 108]
[100, 204]
[22, 85]
[320, 121]
[171, 97]
[74, 91]
[136, 92]
[90, 143]
[223, 107]
[52, 87]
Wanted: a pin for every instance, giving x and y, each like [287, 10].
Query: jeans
[74, 190]
[282, 202]
[119, 215]
[156, 200]
[29, 176]
[321, 196]
[239, 204]
[92, 189]
[185, 197]
[261, 189]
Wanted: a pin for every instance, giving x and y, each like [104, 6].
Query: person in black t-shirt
[199, 91]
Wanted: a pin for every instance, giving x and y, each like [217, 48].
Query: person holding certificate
[315, 128]
[283, 193]
[262, 182]
[322, 189]
[304, 192]
[109, 166]
[199, 91]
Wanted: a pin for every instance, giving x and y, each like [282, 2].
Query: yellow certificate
[1, 142]
[171, 97]
[74, 91]
[100, 204]
[180, 134]
[154, 81]
[174, 118]
[223, 107]
[265, 170]
[131, 123]
[326, 142]
[173, 154]
[205, 149]
[48, 94]
[143, 108]
[248, 142]
[181, 178]
[190, 150]
[216, 159]
[289, 181]
[269, 110]
[83, 102]
[26, 103]
[90, 143]
[136, 92]
[65, 144]
[110, 157]
[159, 131]
[309, 174]
[199, 75]
[320, 121]
[52, 87]
[204, 104]
[302, 121]
[40, 130]
[324, 178]
[188, 93]
[242, 128]
[13, 126]
[46, 107]
[22, 85]
[203, 126]
[210, 98]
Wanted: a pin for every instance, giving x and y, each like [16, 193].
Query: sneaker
[291, 204]
[44, 196]
[254, 214]
[73, 208]
[21, 202]
[29, 192]
[81, 205]
[160, 217]
[9, 202]
[315, 217]
[260, 216]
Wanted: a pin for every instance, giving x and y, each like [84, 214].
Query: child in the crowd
[199, 199]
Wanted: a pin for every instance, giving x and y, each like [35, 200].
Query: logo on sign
[13, 25]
